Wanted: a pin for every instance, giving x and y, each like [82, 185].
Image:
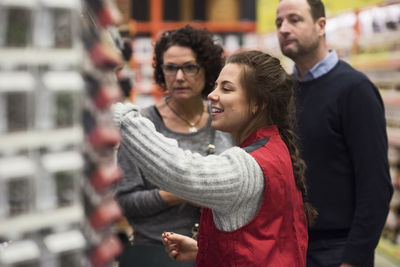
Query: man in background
[343, 140]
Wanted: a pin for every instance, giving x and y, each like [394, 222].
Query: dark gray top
[142, 205]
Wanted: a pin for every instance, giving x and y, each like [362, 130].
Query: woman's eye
[190, 67]
[170, 67]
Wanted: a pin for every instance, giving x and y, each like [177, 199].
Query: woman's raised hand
[179, 247]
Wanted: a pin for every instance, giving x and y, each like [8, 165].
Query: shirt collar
[319, 69]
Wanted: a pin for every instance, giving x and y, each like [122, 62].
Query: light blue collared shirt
[319, 69]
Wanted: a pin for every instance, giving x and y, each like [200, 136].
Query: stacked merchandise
[56, 206]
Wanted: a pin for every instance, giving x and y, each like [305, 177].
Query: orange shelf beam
[156, 27]
[156, 16]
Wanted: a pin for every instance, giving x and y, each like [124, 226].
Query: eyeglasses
[188, 69]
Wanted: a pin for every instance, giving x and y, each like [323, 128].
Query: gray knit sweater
[140, 200]
[231, 184]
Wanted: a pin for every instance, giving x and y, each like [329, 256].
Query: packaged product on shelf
[16, 97]
[64, 98]
[16, 24]
[17, 176]
[68, 248]
[20, 195]
[56, 25]
[65, 168]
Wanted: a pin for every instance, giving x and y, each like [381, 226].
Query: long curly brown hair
[209, 54]
[271, 89]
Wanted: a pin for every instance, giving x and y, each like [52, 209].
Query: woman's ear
[254, 109]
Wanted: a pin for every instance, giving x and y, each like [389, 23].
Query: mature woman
[186, 64]
[253, 195]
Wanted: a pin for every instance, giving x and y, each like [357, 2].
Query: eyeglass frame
[182, 68]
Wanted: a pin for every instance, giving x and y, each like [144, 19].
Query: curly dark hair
[271, 88]
[209, 55]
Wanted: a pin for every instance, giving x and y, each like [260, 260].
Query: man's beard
[300, 50]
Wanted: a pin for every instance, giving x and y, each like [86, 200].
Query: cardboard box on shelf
[223, 10]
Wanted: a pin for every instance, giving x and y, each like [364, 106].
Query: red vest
[277, 235]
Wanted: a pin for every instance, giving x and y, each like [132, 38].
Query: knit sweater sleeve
[231, 181]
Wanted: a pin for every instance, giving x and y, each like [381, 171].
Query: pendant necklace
[192, 125]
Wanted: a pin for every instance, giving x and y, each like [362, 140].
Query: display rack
[39, 199]
[57, 82]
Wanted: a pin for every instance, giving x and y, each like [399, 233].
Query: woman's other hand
[179, 247]
[173, 200]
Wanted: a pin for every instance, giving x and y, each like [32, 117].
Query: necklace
[192, 128]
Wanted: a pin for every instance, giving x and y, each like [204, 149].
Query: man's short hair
[317, 9]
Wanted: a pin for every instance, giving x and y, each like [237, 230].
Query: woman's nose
[212, 96]
[179, 74]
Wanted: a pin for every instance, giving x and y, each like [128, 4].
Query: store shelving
[40, 134]
[56, 205]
